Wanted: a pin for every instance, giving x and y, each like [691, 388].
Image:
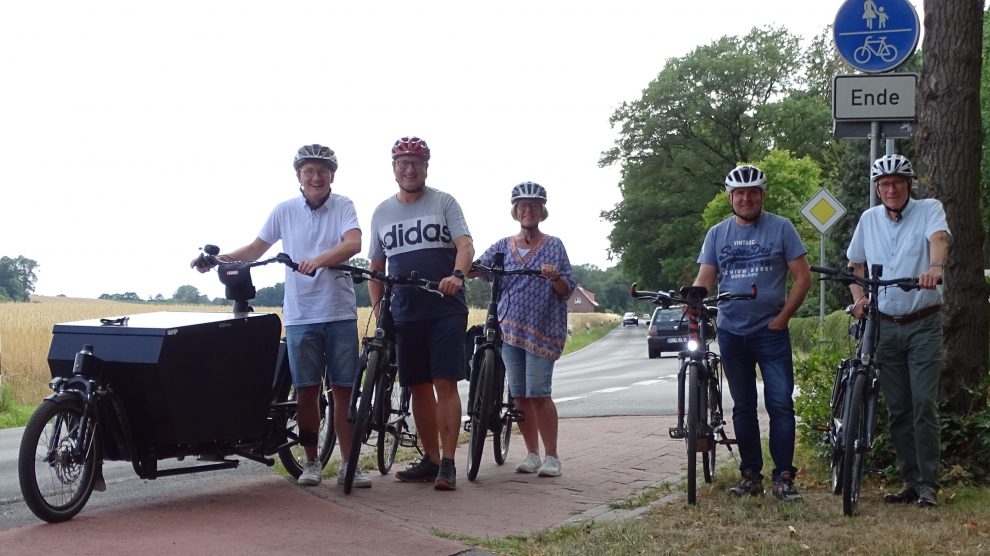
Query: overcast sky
[134, 132]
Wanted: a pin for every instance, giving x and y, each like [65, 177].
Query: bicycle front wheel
[502, 436]
[481, 416]
[713, 410]
[388, 410]
[854, 451]
[693, 422]
[362, 418]
[56, 479]
[293, 457]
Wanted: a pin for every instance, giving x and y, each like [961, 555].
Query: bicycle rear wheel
[481, 416]
[362, 418]
[502, 436]
[388, 410]
[854, 450]
[692, 424]
[293, 457]
[56, 482]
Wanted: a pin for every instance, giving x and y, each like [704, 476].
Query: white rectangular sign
[885, 96]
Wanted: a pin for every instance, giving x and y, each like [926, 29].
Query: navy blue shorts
[426, 350]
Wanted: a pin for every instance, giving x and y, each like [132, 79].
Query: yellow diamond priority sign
[823, 210]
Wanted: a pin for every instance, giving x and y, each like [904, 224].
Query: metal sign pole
[874, 147]
[821, 291]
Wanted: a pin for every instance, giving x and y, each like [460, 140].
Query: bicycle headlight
[692, 345]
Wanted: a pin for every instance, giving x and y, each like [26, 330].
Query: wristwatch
[458, 274]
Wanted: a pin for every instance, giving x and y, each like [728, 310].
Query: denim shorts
[330, 346]
[426, 350]
[529, 374]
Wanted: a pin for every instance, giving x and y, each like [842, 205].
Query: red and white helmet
[411, 145]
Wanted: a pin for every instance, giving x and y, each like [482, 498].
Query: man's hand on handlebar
[450, 285]
[201, 264]
[307, 267]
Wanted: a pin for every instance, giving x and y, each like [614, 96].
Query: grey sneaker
[751, 484]
[360, 479]
[529, 465]
[447, 476]
[423, 472]
[310, 475]
[784, 489]
[927, 497]
[550, 467]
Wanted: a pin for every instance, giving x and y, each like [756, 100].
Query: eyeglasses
[891, 184]
[310, 172]
[532, 207]
[407, 164]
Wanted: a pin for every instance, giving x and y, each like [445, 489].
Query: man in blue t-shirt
[756, 247]
[423, 229]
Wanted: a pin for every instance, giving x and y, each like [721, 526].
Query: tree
[721, 104]
[17, 278]
[948, 145]
[189, 295]
[270, 297]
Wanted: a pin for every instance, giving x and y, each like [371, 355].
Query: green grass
[13, 414]
[582, 338]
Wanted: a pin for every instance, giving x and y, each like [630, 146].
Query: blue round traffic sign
[875, 36]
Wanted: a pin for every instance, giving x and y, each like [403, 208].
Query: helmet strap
[314, 206]
[748, 220]
[896, 214]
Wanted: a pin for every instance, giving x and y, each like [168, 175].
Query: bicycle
[377, 406]
[700, 422]
[852, 423]
[875, 47]
[155, 386]
[490, 406]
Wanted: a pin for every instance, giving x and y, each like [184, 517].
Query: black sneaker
[783, 488]
[751, 484]
[447, 477]
[422, 472]
[927, 497]
[906, 495]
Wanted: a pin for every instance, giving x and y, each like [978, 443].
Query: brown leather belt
[911, 317]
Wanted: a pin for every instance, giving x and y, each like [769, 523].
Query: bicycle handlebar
[211, 257]
[690, 296]
[845, 276]
[359, 274]
[503, 272]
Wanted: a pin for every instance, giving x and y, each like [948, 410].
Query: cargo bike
[202, 388]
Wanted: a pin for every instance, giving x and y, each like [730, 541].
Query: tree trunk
[949, 144]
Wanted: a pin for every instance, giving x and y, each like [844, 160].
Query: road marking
[559, 400]
[670, 376]
[610, 390]
[647, 382]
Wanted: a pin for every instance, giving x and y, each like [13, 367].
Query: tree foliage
[727, 102]
[17, 278]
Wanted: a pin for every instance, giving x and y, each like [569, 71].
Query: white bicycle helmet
[529, 190]
[745, 176]
[315, 153]
[891, 165]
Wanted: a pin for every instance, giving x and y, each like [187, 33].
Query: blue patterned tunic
[533, 317]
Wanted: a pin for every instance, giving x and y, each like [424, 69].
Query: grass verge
[13, 414]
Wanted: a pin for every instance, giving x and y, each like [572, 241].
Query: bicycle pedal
[467, 426]
[676, 433]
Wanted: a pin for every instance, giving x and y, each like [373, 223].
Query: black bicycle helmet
[315, 153]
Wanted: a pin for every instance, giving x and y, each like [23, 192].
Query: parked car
[645, 318]
[668, 331]
[630, 318]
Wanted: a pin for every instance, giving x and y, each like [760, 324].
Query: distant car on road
[668, 331]
[645, 317]
[630, 318]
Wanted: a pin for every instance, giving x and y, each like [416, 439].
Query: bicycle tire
[502, 437]
[862, 55]
[692, 424]
[362, 418]
[854, 451]
[835, 421]
[293, 457]
[55, 488]
[712, 405]
[388, 409]
[482, 415]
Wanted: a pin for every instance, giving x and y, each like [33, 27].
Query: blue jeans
[771, 349]
[330, 347]
[529, 374]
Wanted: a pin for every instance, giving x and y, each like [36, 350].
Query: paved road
[604, 460]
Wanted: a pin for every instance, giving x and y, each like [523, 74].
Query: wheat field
[26, 333]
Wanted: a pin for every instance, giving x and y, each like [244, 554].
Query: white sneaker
[550, 468]
[360, 479]
[530, 464]
[310, 475]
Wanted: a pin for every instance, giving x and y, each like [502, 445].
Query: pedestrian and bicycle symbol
[876, 35]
